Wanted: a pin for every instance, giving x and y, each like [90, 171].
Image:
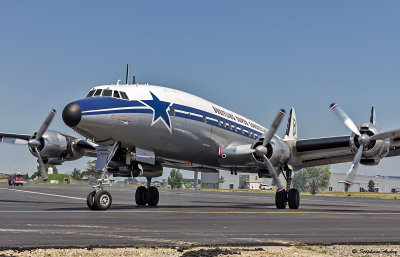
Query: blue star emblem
[160, 110]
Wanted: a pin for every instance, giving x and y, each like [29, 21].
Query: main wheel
[294, 198]
[280, 199]
[152, 196]
[140, 196]
[90, 200]
[102, 200]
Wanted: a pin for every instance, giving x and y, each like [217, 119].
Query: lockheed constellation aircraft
[135, 130]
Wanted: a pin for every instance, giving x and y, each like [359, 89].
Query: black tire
[294, 198]
[140, 196]
[9, 183]
[90, 200]
[280, 199]
[102, 200]
[22, 185]
[152, 196]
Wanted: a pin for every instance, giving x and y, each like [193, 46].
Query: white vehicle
[265, 187]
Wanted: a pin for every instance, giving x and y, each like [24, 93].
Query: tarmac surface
[57, 216]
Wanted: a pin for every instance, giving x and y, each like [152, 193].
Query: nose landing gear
[99, 200]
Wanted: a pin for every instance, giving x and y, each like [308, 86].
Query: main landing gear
[147, 195]
[290, 195]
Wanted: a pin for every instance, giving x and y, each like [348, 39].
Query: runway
[57, 216]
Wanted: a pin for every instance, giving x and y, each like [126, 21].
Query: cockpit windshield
[98, 92]
[124, 96]
[107, 92]
[91, 93]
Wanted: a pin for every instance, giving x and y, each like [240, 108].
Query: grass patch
[309, 248]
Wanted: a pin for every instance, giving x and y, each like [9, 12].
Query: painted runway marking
[39, 193]
[214, 212]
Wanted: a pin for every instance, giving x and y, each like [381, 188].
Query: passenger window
[123, 95]
[98, 92]
[116, 94]
[91, 93]
[107, 92]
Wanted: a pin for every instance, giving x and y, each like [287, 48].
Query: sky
[252, 57]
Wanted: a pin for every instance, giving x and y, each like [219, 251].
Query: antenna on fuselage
[127, 74]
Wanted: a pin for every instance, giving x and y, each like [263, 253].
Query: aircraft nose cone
[72, 114]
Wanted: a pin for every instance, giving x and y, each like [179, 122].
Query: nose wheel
[100, 200]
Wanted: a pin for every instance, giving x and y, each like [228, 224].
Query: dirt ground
[332, 250]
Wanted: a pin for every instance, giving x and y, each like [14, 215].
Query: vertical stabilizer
[291, 130]
[373, 116]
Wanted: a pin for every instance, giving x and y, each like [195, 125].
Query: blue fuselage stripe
[90, 105]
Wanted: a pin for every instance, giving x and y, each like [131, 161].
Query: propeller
[34, 141]
[363, 139]
[262, 150]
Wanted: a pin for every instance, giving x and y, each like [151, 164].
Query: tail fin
[291, 130]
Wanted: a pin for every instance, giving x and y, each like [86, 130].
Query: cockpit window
[107, 92]
[91, 93]
[116, 94]
[98, 92]
[123, 95]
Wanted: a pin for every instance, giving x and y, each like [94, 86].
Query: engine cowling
[55, 148]
[375, 150]
[278, 152]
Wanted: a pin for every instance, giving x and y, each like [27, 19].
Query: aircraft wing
[331, 150]
[18, 139]
[84, 147]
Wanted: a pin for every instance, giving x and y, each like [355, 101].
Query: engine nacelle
[376, 149]
[278, 152]
[55, 148]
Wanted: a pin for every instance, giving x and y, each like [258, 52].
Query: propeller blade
[353, 168]
[346, 119]
[388, 134]
[41, 164]
[45, 125]
[274, 127]
[272, 171]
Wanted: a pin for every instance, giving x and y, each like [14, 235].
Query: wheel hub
[104, 200]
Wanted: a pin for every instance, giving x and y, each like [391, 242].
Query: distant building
[240, 181]
[209, 180]
[360, 184]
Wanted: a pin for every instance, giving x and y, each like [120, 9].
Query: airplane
[135, 130]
